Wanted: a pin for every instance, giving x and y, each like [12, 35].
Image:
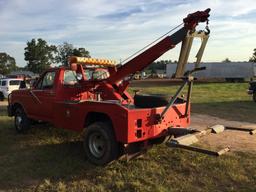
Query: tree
[7, 64]
[226, 60]
[158, 65]
[253, 58]
[39, 55]
[66, 50]
[81, 52]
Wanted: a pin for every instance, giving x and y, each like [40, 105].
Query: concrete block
[185, 140]
[217, 129]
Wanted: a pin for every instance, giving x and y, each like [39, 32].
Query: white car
[7, 86]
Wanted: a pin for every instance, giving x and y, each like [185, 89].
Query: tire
[21, 121]
[150, 101]
[100, 144]
[254, 96]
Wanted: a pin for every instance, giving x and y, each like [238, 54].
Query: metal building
[230, 70]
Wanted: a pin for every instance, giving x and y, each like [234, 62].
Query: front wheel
[100, 144]
[21, 121]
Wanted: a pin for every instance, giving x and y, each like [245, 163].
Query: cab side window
[70, 77]
[47, 82]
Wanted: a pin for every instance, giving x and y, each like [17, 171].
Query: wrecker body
[91, 97]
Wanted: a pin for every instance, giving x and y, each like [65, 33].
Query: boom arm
[144, 59]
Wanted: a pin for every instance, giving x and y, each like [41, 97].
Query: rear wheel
[21, 121]
[100, 144]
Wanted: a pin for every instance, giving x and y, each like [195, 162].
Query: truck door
[43, 96]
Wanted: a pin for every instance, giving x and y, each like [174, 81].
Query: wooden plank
[250, 130]
[185, 140]
[200, 150]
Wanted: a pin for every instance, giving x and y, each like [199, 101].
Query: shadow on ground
[22, 164]
[44, 152]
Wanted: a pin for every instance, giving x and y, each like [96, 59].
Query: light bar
[91, 61]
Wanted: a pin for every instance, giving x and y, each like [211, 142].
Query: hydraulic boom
[145, 58]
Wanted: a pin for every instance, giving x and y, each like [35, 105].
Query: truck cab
[55, 85]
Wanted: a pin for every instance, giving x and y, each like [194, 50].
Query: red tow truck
[91, 96]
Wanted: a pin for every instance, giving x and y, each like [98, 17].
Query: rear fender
[93, 117]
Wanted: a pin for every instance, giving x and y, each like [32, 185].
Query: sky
[116, 29]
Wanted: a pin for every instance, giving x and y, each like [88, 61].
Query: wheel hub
[97, 144]
[18, 122]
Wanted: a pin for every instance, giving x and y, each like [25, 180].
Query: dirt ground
[236, 140]
[3, 103]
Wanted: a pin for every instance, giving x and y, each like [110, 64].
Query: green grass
[50, 159]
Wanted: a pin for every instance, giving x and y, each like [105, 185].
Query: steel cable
[131, 56]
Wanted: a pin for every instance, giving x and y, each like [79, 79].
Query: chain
[207, 27]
